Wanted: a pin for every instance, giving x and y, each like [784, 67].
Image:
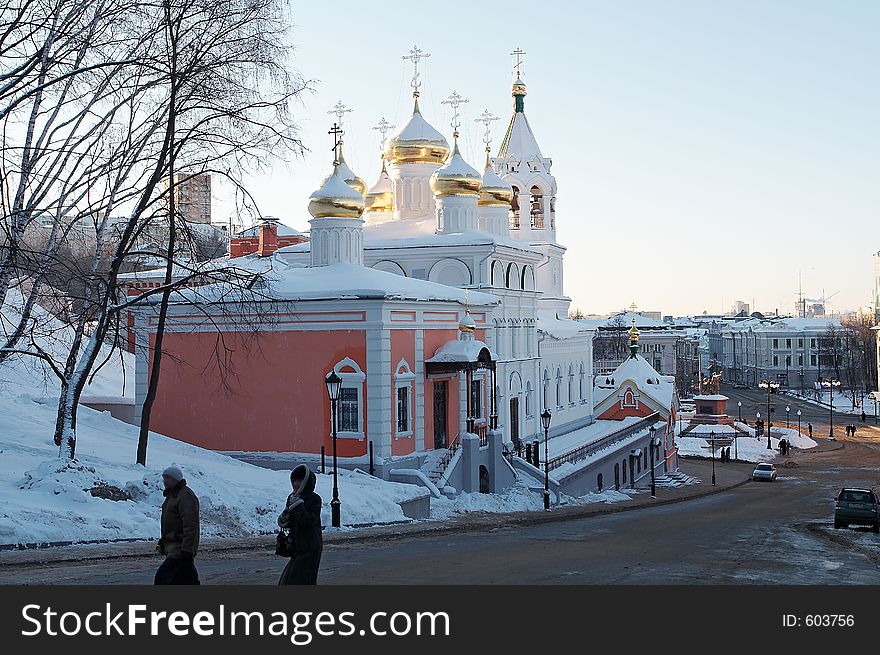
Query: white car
[764, 471]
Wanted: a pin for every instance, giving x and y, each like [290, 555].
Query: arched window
[559, 388]
[536, 209]
[403, 383]
[514, 209]
[512, 280]
[617, 477]
[581, 380]
[546, 389]
[624, 471]
[528, 398]
[599, 482]
[350, 415]
[497, 274]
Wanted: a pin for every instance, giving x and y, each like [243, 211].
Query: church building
[436, 295]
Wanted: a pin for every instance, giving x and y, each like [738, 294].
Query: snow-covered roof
[281, 229]
[624, 320]
[638, 371]
[560, 328]
[460, 351]
[711, 396]
[292, 282]
[519, 140]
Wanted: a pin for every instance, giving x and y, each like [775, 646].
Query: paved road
[756, 533]
[755, 400]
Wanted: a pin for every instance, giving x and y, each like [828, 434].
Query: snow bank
[517, 499]
[748, 448]
[44, 498]
[105, 495]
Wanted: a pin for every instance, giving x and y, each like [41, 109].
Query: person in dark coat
[864, 416]
[180, 531]
[302, 516]
[810, 428]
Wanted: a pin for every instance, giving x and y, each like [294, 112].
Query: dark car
[856, 506]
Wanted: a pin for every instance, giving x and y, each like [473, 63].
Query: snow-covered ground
[44, 498]
[842, 402]
[747, 448]
[517, 499]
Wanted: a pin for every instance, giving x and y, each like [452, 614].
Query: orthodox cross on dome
[383, 128]
[336, 132]
[486, 118]
[455, 101]
[518, 55]
[340, 110]
[415, 56]
[633, 308]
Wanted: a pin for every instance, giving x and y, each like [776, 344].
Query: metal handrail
[586, 450]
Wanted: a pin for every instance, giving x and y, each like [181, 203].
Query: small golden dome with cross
[633, 332]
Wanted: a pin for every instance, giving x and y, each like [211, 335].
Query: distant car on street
[740, 385]
[856, 506]
[764, 471]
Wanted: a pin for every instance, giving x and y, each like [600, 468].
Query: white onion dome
[380, 198]
[417, 142]
[348, 175]
[336, 199]
[495, 192]
[456, 177]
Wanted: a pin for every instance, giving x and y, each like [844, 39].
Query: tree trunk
[153, 386]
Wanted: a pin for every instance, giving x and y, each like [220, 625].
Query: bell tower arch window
[536, 207]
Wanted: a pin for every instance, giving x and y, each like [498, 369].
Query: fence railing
[443, 463]
[593, 447]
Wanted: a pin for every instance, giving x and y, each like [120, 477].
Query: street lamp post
[831, 383]
[787, 416]
[739, 406]
[652, 432]
[545, 422]
[757, 422]
[799, 421]
[712, 437]
[334, 386]
[770, 386]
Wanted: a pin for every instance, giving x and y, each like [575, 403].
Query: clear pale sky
[705, 151]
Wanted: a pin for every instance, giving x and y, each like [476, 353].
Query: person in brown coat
[180, 531]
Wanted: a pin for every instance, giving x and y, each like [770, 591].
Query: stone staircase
[438, 461]
[675, 480]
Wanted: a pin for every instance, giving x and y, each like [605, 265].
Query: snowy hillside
[43, 498]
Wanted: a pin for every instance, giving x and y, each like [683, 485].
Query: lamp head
[334, 385]
[545, 419]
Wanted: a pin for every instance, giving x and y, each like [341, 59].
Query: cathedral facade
[393, 279]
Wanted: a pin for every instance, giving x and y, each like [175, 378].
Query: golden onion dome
[467, 325]
[633, 332]
[336, 199]
[417, 142]
[495, 192]
[379, 198]
[456, 177]
[348, 175]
